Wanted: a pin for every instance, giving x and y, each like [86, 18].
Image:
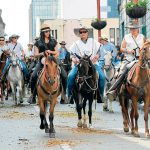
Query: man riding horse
[18, 49]
[130, 46]
[85, 46]
[44, 45]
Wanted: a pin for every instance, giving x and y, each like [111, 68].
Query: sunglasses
[14, 38]
[82, 32]
[1, 40]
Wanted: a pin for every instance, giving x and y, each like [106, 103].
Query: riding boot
[112, 92]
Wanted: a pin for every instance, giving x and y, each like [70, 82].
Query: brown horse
[2, 64]
[48, 91]
[138, 87]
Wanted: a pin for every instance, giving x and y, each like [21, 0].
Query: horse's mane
[3, 56]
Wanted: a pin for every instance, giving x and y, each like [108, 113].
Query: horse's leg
[51, 117]
[8, 88]
[136, 116]
[79, 106]
[146, 107]
[20, 92]
[84, 111]
[124, 110]
[44, 124]
[13, 87]
[105, 105]
[110, 107]
[90, 111]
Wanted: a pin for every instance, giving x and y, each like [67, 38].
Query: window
[112, 35]
[55, 34]
[117, 36]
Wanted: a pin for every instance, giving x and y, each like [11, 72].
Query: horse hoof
[136, 134]
[79, 124]
[126, 129]
[52, 135]
[46, 130]
[105, 109]
[21, 101]
[147, 135]
[42, 127]
[90, 126]
[84, 125]
[1, 102]
[6, 98]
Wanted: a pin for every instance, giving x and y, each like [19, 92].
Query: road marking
[65, 147]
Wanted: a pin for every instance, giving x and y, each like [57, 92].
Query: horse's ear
[79, 57]
[89, 56]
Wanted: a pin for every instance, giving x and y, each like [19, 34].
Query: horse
[109, 71]
[137, 87]
[2, 65]
[84, 89]
[15, 77]
[48, 89]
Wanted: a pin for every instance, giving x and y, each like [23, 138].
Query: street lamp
[98, 17]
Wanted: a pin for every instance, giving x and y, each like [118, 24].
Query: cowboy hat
[30, 44]
[133, 25]
[45, 27]
[77, 30]
[104, 38]
[62, 43]
[14, 35]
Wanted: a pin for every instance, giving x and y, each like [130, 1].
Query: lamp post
[98, 17]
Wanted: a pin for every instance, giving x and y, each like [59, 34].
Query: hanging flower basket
[136, 10]
[98, 25]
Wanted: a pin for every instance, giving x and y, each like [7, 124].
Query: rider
[64, 55]
[88, 46]
[45, 44]
[18, 49]
[130, 46]
[29, 52]
[3, 46]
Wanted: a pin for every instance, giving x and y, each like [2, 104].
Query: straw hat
[104, 38]
[62, 43]
[14, 35]
[30, 44]
[45, 27]
[134, 25]
[77, 30]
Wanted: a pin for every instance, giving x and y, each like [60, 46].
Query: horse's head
[145, 51]
[14, 59]
[83, 67]
[51, 69]
[107, 60]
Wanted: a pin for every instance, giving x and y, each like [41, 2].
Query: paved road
[19, 130]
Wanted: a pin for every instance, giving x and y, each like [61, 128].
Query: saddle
[131, 73]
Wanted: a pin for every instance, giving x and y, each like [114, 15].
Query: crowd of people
[33, 57]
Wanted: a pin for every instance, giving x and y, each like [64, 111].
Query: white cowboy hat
[45, 27]
[14, 35]
[77, 30]
[133, 25]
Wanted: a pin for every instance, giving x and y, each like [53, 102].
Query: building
[69, 14]
[124, 21]
[42, 10]
[66, 29]
[2, 24]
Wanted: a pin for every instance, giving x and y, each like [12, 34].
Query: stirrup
[111, 95]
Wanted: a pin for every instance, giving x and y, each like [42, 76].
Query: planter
[136, 12]
[98, 25]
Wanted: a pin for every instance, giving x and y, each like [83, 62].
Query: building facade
[2, 25]
[124, 21]
[66, 29]
[40, 10]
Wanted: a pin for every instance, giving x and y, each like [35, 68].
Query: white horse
[109, 71]
[15, 77]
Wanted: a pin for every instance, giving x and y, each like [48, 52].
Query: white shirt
[131, 44]
[91, 47]
[29, 53]
[18, 48]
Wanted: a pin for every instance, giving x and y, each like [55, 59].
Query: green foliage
[141, 3]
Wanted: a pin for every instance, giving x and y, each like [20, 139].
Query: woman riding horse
[131, 45]
[45, 45]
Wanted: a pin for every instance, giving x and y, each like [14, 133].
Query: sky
[15, 15]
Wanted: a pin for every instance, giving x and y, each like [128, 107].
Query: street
[20, 130]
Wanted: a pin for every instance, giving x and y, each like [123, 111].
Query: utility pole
[98, 17]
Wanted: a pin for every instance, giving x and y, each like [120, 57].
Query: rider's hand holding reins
[54, 53]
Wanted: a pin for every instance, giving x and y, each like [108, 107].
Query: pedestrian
[130, 46]
[88, 46]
